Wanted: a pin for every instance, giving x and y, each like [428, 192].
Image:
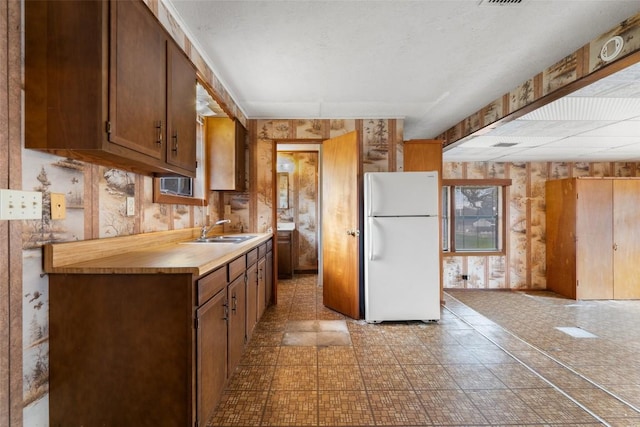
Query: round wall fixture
[611, 48]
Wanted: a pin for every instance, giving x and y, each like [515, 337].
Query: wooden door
[137, 85]
[594, 239]
[626, 238]
[341, 224]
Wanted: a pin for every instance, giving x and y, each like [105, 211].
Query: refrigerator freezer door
[401, 193]
[402, 269]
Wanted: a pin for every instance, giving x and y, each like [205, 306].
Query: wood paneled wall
[523, 266]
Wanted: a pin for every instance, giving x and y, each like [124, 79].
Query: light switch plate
[16, 204]
[58, 206]
[131, 206]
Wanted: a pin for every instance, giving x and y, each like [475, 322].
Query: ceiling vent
[500, 2]
[505, 144]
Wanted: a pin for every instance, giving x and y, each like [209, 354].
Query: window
[472, 216]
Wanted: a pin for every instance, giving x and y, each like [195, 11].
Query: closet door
[594, 239]
[626, 230]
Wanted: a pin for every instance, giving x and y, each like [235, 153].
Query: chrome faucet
[206, 229]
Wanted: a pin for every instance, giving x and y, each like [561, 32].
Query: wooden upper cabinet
[225, 142]
[422, 155]
[137, 80]
[181, 107]
[96, 85]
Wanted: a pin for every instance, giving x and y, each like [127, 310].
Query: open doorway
[298, 209]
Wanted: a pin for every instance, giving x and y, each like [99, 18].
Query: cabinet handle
[615, 246]
[226, 311]
[175, 142]
[234, 304]
[159, 128]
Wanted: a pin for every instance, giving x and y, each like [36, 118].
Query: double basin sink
[223, 239]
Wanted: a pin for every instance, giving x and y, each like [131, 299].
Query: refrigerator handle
[368, 178]
[371, 225]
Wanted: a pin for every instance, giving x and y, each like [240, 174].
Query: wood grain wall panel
[5, 308]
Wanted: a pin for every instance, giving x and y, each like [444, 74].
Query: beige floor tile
[254, 377]
[295, 378]
[336, 355]
[553, 406]
[291, 408]
[474, 377]
[344, 408]
[240, 408]
[255, 355]
[451, 407]
[384, 377]
[294, 355]
[413, 355]
[503, 407]
[340, 377]
[516, 376]
[398, 408]
[429, 377]
[375, 355]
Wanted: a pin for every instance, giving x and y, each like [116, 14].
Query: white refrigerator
[402, 246]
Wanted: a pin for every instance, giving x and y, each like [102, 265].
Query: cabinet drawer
[211, 284]
[262, 250]
[269, 245]
[252, 256]
[237, 267]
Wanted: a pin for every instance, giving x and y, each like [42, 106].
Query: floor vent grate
[500, 2]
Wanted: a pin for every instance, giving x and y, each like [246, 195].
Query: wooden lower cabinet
[285, 254]
[149, 349]
[122, 350]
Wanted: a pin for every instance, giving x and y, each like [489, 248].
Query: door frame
[302, 145]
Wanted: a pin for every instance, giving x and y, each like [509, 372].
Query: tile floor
[495, 358]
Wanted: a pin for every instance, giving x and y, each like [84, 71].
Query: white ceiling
[430, 62]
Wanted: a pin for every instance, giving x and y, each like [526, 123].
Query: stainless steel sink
[224, 239]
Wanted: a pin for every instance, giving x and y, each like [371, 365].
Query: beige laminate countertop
[148, 256]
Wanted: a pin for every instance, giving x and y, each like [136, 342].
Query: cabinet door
[262, 286]
[212, 354]
[626, 238]
[237, 318]
[594, 239]
[269, 280]
[225, 144]
[181, 110]
[252, 299]
[241, 136]
[137, 79]
[285, 255]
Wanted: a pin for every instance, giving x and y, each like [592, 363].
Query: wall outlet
[131, 206]
[227, 209]
[58, 206]
[16, 204]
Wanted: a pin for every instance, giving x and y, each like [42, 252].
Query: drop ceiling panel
[580, 108]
